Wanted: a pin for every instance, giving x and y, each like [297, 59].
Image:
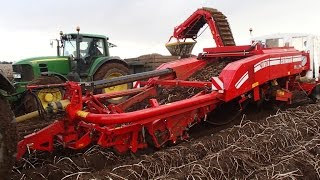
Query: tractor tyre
[109, 71]
[30, 103]
[8, 139]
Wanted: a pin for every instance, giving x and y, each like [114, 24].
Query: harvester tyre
[8, 139]
[106, 71]
[30, 103]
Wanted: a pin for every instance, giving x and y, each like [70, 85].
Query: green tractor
[80, 57]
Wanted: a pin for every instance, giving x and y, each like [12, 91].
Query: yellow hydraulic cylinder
[27, 116]
[53, 107]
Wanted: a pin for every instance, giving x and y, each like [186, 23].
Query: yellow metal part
[82, 114]
[255, 84]
[280, 92]
[27, 116]
[49, 95]
[52, 107]
[117, 88]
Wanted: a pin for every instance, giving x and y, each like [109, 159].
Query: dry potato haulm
[230, 112]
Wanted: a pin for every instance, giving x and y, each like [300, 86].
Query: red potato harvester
[254, 73]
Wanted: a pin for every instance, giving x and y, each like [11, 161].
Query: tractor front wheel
[45, 95]
[8, 139]
[109, 71]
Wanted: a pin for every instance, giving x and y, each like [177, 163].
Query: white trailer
[302, 42]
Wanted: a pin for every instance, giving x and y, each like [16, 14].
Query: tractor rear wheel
[8, 138]
[109, 71]
[45, 96]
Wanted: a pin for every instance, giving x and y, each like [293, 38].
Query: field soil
[6, 69]
[281, 146]
[261, 144]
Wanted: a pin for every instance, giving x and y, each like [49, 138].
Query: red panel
[184, 68]
[241, 76]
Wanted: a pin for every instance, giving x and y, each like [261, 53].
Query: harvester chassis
[87, 120]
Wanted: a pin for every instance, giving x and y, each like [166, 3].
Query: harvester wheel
[109, 71]
[8, 138]
[45, 96]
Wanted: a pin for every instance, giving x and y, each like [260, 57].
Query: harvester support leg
[256, 94]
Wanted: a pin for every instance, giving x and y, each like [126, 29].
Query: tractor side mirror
[51, 43]
[110, 45]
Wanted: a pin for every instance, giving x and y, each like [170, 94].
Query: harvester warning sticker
[217, 84]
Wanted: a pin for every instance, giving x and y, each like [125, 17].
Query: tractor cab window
[95, 47]
[69, 48]
[89, 47]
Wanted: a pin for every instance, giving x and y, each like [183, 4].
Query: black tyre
[30, 103]
[8, 139]
[109, 71]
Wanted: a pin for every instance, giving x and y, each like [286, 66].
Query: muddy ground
[282, 146]
[6, 69]
[261, 144]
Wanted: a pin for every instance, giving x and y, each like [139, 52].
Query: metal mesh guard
[180, 48]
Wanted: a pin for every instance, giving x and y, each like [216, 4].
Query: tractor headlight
[16, 76]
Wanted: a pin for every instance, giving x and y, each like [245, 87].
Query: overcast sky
[142, 26]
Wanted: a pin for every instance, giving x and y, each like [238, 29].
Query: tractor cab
[82, 50]
[89, 47]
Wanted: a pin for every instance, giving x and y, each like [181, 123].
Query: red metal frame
[41, 140]
[180, 31]
[111, 126]
[250, 76]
